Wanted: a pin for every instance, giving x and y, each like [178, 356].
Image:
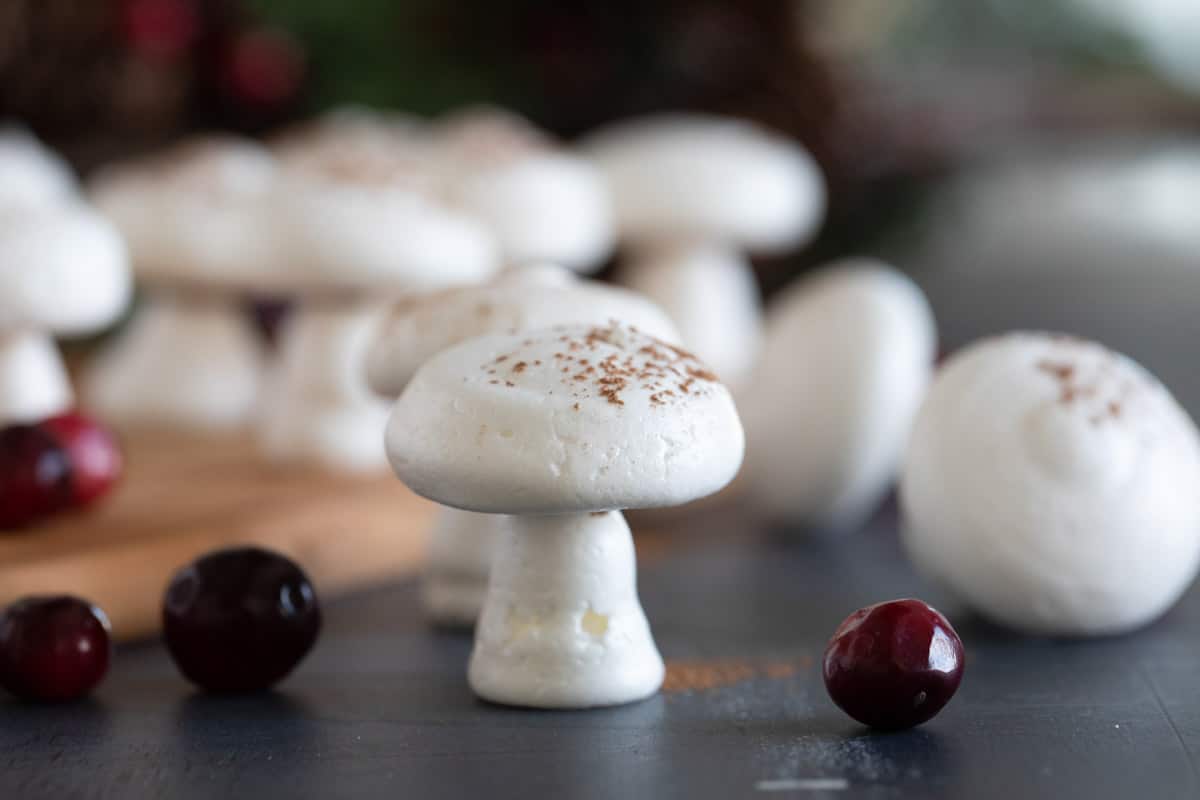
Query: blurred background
[1032, 163]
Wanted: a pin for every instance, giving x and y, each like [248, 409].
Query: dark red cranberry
[53, 648]
[240, 619]
[35, 476]
[893, 665]
[92, 452]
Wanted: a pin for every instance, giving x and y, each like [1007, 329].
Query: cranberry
[35, 476]
[92, 452]
[893, 665]
[240, 619]
[53, 648]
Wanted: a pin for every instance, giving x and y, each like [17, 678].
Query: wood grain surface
[184, 496]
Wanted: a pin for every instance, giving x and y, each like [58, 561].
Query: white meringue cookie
[711, 294]
[31, 174]
[523, 299]
[195, 218]
[63, 269]
[562, 626]
[1051, 483]
[698, 176]
[540, 201]
[359, 221]
[519, 299]
[848, 354]
[553, 423]
[565, 419]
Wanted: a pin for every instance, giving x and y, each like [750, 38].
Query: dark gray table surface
[381, 708]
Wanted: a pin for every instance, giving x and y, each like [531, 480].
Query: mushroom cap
[196, 213]
[566, 419]
[848, 353]
[1051, 483]
[365, 218]
[30, 173]
[348, 126]
[541, 201]
[699, 176]
[521, 300]
[62, 268]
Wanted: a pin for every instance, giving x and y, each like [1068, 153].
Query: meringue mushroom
[541, 201]
[1051, 484]
[523, 299]
[692, 193]
[848, 354]
[563, 427]
[356, 225]
[194, 220]
[65, 270]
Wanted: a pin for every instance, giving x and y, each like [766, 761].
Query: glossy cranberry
[893, 665]
[92, 452]
[53, 648]
[35, 476]
[240, 619]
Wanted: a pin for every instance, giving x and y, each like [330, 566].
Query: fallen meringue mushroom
[63, 270]
[193, 216]
[561, 428]
[542, 202]
[848, 354]
[1050, 483]
[357, 226]
[693, 193]
[417, 328]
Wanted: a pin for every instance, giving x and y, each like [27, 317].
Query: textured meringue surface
[572, 418]
[562, 625]
[526, 299]
[847, 357]
[685, 175]
[1051, 484]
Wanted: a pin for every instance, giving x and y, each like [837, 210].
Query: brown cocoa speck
[519, 367]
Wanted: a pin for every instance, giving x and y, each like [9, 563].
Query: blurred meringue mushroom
[1051, 484]
[494, 425]
[194, 220]
[63, 270]
[848, 354]
[542, 202]
[356, 225]
[419, 327]
[692, 194]
[30, 173]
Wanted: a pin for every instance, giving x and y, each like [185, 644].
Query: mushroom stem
[33, 382]
[186, 360]
[710, 291]
[461, 550]
[319, 408]
[562, 626]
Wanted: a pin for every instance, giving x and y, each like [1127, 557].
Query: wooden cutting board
[182, 497]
